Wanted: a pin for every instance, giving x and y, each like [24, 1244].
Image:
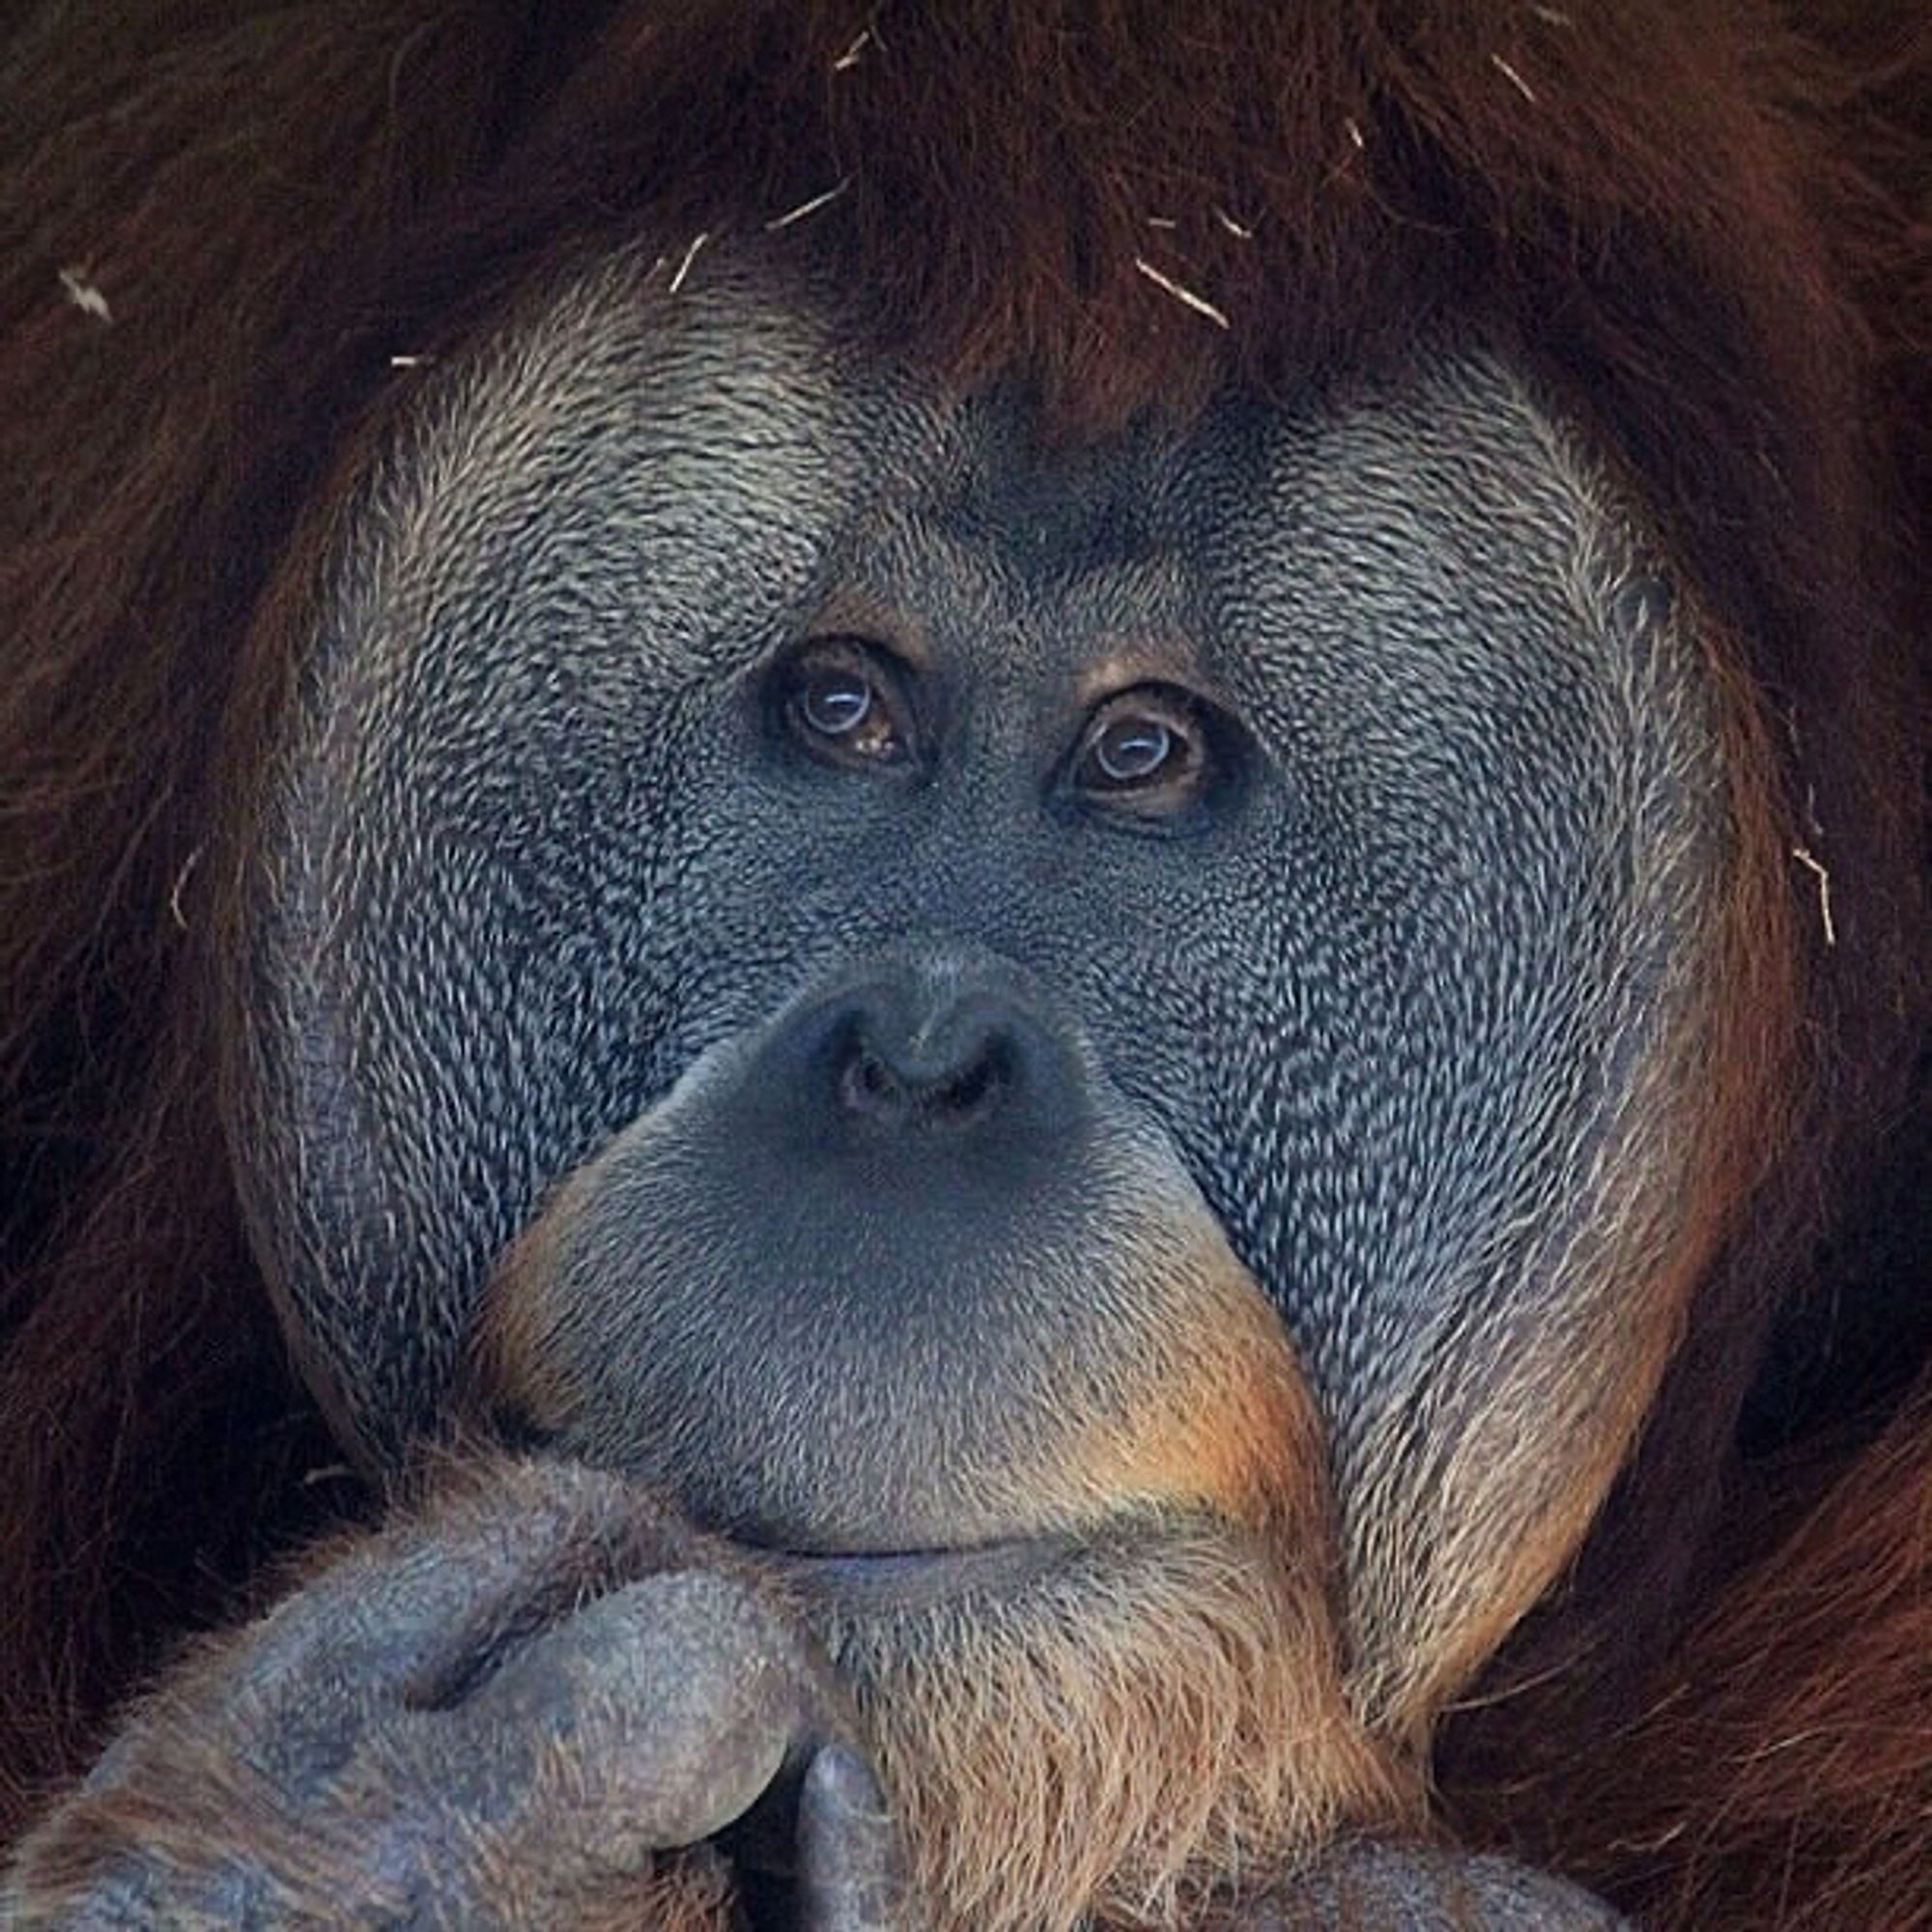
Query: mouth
[915, 1579]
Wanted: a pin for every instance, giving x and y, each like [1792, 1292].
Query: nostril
[979, 1087]
[867, 1086]
[892, 1074]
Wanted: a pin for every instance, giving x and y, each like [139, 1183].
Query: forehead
[720, 452]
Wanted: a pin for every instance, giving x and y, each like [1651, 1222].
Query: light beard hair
[1150, 1727]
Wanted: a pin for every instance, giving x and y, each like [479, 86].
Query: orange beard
[1154, 1726]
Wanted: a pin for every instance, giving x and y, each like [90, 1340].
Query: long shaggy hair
[1127, 1741]
[1703, 227]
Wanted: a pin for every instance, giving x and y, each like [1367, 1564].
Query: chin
[1100, 1729]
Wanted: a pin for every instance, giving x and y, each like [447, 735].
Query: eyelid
[1168, 703]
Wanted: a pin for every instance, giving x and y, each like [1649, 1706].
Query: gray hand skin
[1362, 1886]
[433, 1733]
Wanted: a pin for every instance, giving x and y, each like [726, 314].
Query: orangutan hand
[502, 1714]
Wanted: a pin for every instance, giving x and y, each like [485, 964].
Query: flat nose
[894, 1055]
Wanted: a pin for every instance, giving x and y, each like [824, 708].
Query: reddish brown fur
[1687, 218]
[1774, 1770]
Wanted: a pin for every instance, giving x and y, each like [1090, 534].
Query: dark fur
[1705, 229]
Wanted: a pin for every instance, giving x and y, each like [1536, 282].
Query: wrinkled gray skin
[537, 846]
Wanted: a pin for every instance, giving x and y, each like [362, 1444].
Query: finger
[851, 1876]
[419, 1609]
[653, 1719]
